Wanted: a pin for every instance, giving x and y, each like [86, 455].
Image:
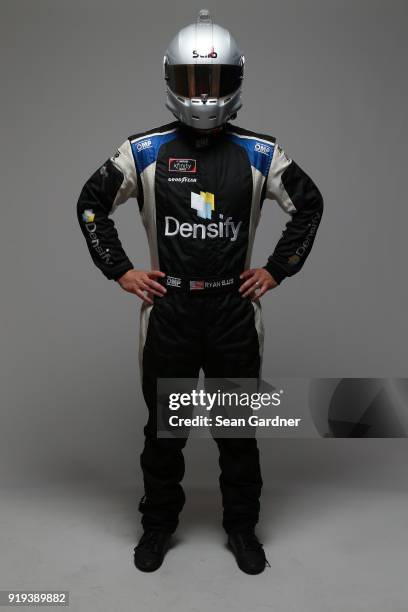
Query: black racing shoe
[248, 551]
[150, 552]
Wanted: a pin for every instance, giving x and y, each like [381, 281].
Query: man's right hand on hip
[143, 284]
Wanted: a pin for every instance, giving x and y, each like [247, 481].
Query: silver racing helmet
[203, 68]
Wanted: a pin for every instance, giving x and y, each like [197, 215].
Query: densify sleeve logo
[182, 164]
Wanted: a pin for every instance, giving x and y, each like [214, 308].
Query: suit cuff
[276, 271]
[120, 271]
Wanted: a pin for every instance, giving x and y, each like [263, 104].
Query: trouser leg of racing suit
[236, 353]
[185, 333]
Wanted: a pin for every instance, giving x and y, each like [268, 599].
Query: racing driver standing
[200, 183]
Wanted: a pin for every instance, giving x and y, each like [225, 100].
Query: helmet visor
[195, 80]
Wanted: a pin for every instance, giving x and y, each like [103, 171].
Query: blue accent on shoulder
[146, 148]
[260, 151]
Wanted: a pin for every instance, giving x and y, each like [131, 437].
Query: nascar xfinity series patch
[182, 164]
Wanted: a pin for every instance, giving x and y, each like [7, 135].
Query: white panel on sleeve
[274, 186]
[124, 162]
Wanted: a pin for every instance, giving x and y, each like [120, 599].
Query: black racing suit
[200, 199]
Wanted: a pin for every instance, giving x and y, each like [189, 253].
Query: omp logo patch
[88, 216]
[144, 144]
[182, 164]
[262, 148]
[173, 281]
[203, 203]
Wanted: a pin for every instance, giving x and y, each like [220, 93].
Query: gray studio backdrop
[327, 78]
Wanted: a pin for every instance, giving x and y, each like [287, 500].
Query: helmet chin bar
[204, 115]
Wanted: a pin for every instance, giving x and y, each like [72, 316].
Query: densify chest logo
[182, 164]
[204, 205]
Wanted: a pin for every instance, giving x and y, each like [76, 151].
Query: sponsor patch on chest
[182, 164]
